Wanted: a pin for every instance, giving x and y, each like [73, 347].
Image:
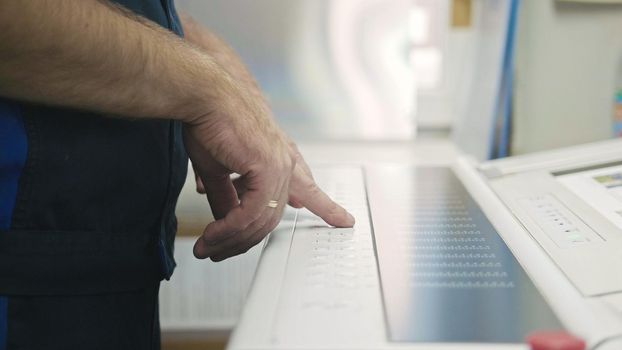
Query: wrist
[209, 89]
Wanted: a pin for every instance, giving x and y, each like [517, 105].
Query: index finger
[307, 193]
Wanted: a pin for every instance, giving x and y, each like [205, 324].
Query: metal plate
[446, 274]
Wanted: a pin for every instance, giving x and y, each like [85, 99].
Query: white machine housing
[579, 273]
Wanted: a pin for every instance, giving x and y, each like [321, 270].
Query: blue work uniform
[87, 220]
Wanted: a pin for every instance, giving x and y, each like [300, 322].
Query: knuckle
[252, 229]
[291, 156]
[298, 158]
[295, 204]
[256, 167]
[211, 234]
[312, 188]
[216, 238]
[209, 239]
[293, 162]
[238, 239]
[236, 226]
[284, 164]
[253, 218]
[293, 146]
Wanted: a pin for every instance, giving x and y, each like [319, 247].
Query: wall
[568, 59]
[330, 69]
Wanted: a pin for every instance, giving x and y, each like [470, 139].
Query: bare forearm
[87, 54]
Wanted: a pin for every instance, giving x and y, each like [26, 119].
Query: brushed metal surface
[446, 274]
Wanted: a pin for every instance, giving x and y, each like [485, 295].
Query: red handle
[555, 341]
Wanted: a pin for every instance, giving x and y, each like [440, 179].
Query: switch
[576, 238]
[555, 341]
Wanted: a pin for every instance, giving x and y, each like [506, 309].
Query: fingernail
[351, 219]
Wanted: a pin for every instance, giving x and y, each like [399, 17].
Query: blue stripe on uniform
[3, 322]
[13, 153]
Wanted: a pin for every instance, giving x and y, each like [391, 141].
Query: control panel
[557, 221]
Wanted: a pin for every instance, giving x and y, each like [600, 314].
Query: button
[555, 341]
[321, 248]
[576, 238]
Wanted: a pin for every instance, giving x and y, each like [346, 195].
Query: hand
[242, 138]
[304, 192]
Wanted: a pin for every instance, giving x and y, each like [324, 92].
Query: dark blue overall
[87, 221]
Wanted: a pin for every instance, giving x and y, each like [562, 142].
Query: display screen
[600, 187]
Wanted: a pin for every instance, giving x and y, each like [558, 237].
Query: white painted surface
[207, 296]
[568, 58]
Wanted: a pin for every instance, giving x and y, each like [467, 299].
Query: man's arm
[207, 41]
[222, 53]
[91, 55]
[303, 191]
[210, 42]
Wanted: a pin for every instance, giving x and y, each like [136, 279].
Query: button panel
[331, 284]
[557, 221]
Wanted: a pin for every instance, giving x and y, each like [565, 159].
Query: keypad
[557, 221]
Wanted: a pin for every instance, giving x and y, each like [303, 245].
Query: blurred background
[392, 69]
[491, 77]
